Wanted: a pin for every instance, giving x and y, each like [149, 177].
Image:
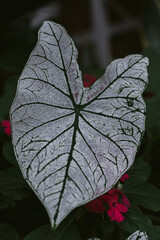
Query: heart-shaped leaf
[72, 143]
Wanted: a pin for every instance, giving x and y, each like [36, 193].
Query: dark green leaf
[13, 185]
[139, 172]
[7, 232]
[152, 23]
[145, 195]
[153, 110]
[45, 233]
[6, 202]
[70, 234]
[157, 232]
[136, 220]
[106, 225]
[8, 153]
[153, 69]
[7, 98]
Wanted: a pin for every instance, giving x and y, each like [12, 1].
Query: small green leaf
[145, 195]
[137, 220]
[7, 232]
[13, 185]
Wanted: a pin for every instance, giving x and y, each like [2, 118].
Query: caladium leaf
[138, 235]
[73, 143]
[94, 239]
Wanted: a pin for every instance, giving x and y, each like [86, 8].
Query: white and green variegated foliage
[138, 235]
[94, 239]
[73, 143]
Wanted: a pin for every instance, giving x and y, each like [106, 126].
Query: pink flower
[116, 208]
[114, 191]
[124, 177]
[7, 127]
[88, 80]
[115, 212]
[114, 200]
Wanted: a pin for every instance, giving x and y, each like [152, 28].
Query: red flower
[115, 208]
[7, 127]
[124, 177]
[116, 202]
[88, 80]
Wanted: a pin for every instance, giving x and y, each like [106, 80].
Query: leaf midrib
[64, 69]
[70, 158]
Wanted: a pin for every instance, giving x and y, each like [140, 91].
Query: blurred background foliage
[103, 30]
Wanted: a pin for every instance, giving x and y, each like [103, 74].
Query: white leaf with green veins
[73, 143]
[138, 235]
